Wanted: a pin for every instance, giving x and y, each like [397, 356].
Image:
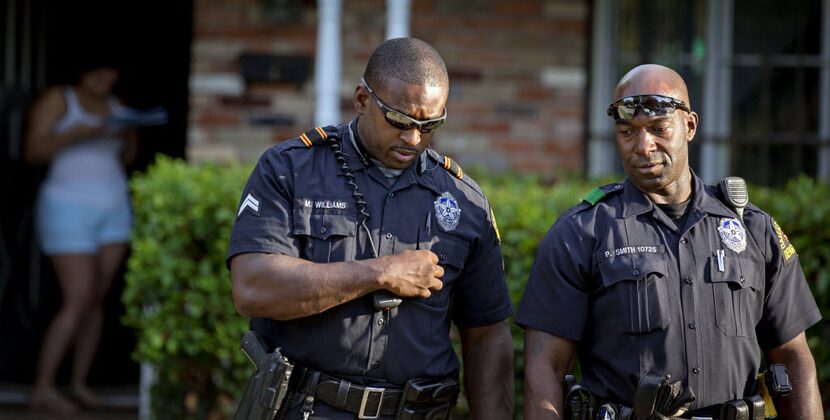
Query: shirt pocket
[736, 294]
[326, 236]
[452, 253]
[639, 286]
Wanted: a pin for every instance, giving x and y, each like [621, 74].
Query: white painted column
[824, 86]
[602, 148]
[397, 18]
[146, 380]
[717, 98]
[327, 63]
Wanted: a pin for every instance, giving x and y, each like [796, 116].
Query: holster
[773, 382]
[658, 396]
[268, 385]
[428, 399]
[579, 402]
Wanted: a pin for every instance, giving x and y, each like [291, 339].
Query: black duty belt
[750, 408]
[365, 401]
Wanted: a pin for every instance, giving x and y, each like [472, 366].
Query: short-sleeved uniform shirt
[300, 205]
[640, 293]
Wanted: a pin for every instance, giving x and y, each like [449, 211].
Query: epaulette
[450, 165]
[318, 135]
[598, 193]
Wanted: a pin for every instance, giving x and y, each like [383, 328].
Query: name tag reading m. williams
[325, 204]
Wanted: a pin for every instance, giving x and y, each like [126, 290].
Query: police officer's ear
[361, 99]
[692, 120]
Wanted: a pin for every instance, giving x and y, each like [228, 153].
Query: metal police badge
[732, 234]
[447, 211]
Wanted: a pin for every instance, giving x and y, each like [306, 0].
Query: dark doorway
[43, 40]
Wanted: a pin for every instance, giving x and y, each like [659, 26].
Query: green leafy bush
[525, 210]
[802, 210]
[178, 289]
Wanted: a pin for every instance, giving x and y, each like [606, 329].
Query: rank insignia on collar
[447, 211]
[732, 234]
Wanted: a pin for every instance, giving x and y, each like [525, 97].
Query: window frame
[715, 131]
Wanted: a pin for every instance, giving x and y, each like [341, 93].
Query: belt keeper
[309, 385]
[342, 393]
[311, 380]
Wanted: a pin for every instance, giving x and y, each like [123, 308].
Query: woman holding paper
[83, 220]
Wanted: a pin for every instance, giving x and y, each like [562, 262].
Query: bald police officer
[336, 224]
[657, 276]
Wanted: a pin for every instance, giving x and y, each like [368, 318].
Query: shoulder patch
[598, 193]
[318, 135]
[495, 225]
[787, 248]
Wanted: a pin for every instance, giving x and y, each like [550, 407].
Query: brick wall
[517, 76]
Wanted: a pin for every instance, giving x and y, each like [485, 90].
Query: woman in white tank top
[83, 220]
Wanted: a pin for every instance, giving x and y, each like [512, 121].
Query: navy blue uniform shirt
[305, 209]
[640, 293]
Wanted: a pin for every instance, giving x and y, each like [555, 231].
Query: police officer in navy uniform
[341, 218]
[658, 275]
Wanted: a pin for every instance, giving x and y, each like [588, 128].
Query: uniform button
[375, 365]
[696, 370]
[688, 280]
[388, 235]
[322, 230]
[381, 321]
[692, 325]
[391, 194]
[636, 272]
[742, 279]
[682, 240]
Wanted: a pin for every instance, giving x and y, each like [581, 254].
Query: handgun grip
[254, 348]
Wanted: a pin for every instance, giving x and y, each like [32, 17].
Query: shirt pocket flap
[738, 271]
[451, 251]
[325, 224]
[632, 268]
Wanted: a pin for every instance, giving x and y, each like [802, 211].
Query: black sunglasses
[626, 108]
[402, 121]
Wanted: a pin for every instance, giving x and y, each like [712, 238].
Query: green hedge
[803, 211]
[178, 289]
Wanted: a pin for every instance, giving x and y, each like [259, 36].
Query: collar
[635, 202]
[356, 156]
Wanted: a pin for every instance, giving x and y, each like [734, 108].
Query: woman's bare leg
[108, 262]
[76, 276]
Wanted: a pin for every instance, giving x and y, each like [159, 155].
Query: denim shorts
[67, 226]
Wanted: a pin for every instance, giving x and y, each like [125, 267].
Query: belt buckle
[366, 392]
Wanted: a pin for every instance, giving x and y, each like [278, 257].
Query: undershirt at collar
[391, 174]
[388, 172]
[675, 211]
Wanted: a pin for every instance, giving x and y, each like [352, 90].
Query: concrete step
[120, 403]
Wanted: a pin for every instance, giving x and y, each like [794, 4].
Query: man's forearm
[804, 402]
[488, 372]
[281, 287]
[543, 396]
[543, 389]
